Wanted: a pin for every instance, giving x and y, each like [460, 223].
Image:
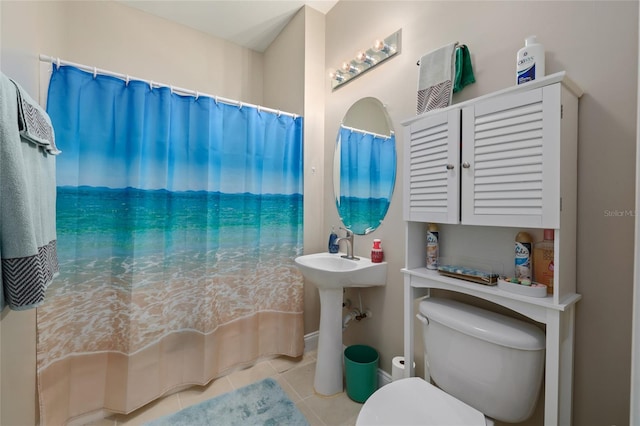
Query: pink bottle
[376, 252]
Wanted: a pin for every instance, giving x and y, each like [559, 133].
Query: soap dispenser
[376, 252]
[333, 246]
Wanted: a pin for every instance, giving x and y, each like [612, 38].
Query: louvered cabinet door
[432, 168]
[511, 160]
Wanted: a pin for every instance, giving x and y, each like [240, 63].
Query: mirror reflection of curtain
[367, 177]
[178, 222]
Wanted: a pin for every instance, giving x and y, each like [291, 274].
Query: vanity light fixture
[367, 59]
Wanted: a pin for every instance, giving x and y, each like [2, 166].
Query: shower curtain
[367, 178]
[178, 222]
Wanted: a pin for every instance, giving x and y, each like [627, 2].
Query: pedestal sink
[331, 273]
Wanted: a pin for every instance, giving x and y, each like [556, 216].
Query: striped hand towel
[435, 83]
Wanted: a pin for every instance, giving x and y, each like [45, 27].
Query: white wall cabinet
[494, 160]
[498, 162]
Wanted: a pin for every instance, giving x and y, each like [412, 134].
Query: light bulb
[335, 75]
[348, 67]
[381, 46]
[363, 57]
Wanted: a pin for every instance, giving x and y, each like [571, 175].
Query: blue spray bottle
[333, 241]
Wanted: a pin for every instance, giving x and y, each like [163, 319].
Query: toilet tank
[490, 361]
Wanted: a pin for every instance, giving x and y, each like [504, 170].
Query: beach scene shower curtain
[178, 222]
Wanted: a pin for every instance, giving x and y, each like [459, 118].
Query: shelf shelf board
[433, 279]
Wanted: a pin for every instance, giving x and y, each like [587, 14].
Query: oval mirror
[364, 166]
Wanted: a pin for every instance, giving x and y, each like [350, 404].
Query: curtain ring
[279, 113]
[95, 72]
[151, 85]
[215, 98]
[126, 82]
[171, 89]
[58, 63]
[197, 95]
[240, 106]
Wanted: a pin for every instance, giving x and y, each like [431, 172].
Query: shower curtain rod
[152, 84]
[353, 129]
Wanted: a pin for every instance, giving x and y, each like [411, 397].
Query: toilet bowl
[413, 401]
[485, 365]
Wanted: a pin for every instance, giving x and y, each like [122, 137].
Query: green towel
[464, 70]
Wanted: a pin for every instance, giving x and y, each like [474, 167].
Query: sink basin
[331, 273]
[327, 270]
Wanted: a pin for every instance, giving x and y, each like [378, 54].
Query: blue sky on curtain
[178, 222]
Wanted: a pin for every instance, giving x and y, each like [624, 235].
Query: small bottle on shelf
[523, 255]
[543, 260]
[433, 248]
[376, 252]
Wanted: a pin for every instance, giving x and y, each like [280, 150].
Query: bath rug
[260, 403]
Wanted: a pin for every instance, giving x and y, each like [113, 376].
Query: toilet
[485, 366]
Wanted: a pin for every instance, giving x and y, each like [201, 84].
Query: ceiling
[250, 23]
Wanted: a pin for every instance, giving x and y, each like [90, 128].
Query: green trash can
[361, 370]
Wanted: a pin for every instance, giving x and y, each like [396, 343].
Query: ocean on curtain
[367, 176]
[178, 222]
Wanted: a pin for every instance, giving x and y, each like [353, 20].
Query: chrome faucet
[349, 239]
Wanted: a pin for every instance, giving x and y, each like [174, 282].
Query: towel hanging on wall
[435, 82]
[443, 71]
[464, 70]
[28, 254]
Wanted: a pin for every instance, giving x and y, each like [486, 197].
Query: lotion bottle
[376, 252]
[530, 61]
[543, 266]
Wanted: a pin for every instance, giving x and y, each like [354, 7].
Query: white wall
[596, 42]
[295, 60]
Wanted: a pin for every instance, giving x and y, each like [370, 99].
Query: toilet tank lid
[482, 324]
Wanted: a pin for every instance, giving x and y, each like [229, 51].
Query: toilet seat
[413, 401]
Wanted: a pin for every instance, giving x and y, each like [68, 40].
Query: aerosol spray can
[433, 249]
[523, 255]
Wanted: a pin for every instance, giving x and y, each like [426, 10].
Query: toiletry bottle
[433, 249]
[376, 252]
[530, 61]
[333, 237]
[523, 255]
[543, 261]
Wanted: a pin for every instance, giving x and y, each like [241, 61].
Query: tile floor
[295, 376]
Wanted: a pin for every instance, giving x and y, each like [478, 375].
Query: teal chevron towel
[28, 256]
[464, 70]
[34, 123]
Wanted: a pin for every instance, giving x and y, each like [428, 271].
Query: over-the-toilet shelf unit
[486, 169]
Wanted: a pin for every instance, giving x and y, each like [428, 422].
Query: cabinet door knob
[450, 166]
[466, 165]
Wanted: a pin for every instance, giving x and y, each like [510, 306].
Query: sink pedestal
[331, 273]
[328, 377]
